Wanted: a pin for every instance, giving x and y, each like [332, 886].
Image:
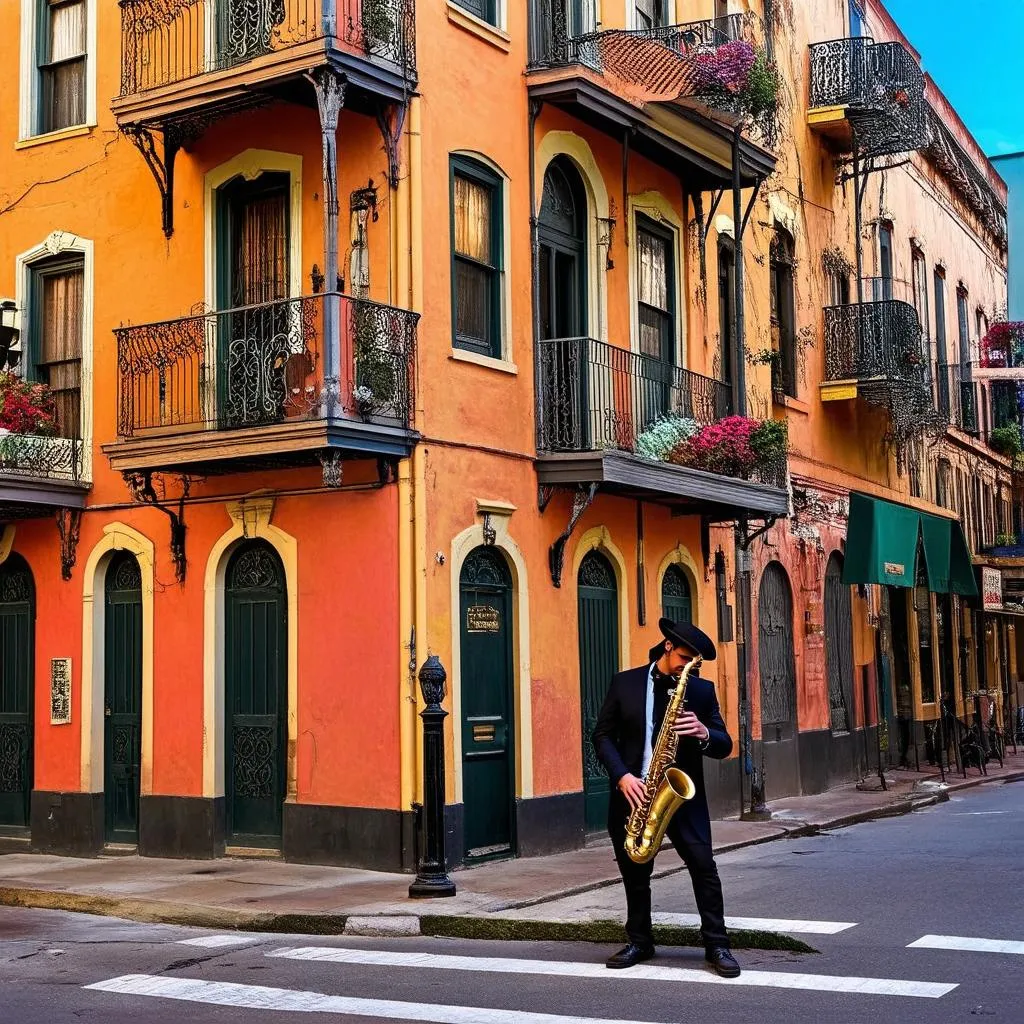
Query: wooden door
[256, 695]
[17, 652]
[488, 734]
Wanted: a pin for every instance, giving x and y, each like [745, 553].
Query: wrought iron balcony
[250, 384]
[873, 92]
[39, 474]
[957, 396]
[596, 396]
[877, 340]
[165, 42]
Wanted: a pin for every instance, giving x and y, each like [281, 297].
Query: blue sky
[973, 51]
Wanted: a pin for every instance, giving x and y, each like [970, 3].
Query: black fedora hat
[686, 634]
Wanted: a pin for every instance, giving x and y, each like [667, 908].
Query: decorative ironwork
[582, 500]
[254, 756]
[51, 458]
[596, 572]
[256, 568]
[262, 365]
[15, 587]
[121, 744]
[485, 567]
[598, 396]
[60, 691]
[490, 534]
[14, 748]
[169, 41]
[69, 526]
[874, 339]
[882, 88]
[333, 467]
[143, 491]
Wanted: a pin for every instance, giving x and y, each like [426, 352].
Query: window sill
[58, 136]
[791, 403]
[478, 27]
[461, 355]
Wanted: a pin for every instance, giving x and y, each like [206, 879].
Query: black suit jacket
[621, 729]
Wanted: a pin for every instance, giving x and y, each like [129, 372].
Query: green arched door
[255, 695]
[122, 707]
[17, 651]
[676, 599]
[598, 610]
[488, 739]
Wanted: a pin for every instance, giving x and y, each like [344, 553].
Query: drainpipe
[535, 109]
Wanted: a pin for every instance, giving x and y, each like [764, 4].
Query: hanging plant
[26, 407]
[1007, 441]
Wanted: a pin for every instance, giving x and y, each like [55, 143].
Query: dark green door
[256, 695]
[17, 649]
[676, 600]
[488, 742]
[122, 707]
[599, 661]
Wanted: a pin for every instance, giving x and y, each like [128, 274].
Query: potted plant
[27, 418]
[663, 435]
[1007, 441]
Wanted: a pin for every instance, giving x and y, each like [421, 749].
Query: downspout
[538, 391]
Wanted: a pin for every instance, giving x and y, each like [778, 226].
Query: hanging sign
[60, 691]
[991, 589]
[482, 618]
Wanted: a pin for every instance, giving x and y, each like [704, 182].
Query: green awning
[882, 540]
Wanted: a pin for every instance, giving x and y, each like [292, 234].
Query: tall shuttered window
[56, 346]
[61, 43]
[476, 202]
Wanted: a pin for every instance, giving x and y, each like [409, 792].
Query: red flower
[25, 407]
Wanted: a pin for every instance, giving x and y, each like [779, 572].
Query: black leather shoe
[722, 960]
[630, 956]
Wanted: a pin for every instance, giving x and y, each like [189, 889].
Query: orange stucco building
[360, 320]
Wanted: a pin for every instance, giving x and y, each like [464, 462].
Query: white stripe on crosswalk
[762, 924]
[643, 972]
[259, 997]
[218, 941]
[968, 944]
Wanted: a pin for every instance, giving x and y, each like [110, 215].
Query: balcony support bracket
[69, 525]
[545, 492]
[160, 160]
[140, 486]
[333, 467]
[391, 121]
[582, 500]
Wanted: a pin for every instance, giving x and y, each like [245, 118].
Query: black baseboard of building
[550, 824]
[68, 824]
[185, 827]
[357, 837]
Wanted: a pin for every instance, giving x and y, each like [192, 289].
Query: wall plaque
[895, 569]
[60, 691]
[482, 618]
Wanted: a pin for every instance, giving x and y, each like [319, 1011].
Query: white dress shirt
[649, 733]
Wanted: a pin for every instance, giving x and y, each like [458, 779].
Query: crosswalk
[398, 963]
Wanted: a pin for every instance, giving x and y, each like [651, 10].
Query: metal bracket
[545, 492]
[581, 501]
[140, 485]
[391, 121]
[387, 470]
[746, 539]
[333, 467]
[490, 534]
[69, 525]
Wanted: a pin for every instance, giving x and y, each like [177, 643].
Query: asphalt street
[916, 919]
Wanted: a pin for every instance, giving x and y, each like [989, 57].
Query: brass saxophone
[665, 786]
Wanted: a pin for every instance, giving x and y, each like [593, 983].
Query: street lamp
[9, 355]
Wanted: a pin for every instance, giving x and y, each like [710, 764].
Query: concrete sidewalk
[506, 899]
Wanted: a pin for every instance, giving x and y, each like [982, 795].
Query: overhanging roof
[687, 491]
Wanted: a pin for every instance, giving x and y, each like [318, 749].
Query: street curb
[147, 911]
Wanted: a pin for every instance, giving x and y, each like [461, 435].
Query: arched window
[676, 597]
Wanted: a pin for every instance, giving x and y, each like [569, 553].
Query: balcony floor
[288, 444]
[686, 491]
[23, 496]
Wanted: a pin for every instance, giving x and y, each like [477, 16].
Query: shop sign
[60, 691]
[482, 618]
[991, 589]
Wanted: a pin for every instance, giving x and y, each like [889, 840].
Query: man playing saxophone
[626, 737]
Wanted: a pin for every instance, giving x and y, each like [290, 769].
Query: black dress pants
[636, 878]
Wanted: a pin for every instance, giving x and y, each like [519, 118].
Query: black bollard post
[432, 876]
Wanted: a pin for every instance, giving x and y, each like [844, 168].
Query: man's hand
[688, 724]
[632, 789]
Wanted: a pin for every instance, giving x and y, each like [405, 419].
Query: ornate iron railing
[560, 36]
[50, 458]
[263, 365]
[957, 396]
[597, 396]
[877, 339]
[169, 41]
[882, 87]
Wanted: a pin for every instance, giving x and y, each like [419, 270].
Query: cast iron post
[432, 877]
